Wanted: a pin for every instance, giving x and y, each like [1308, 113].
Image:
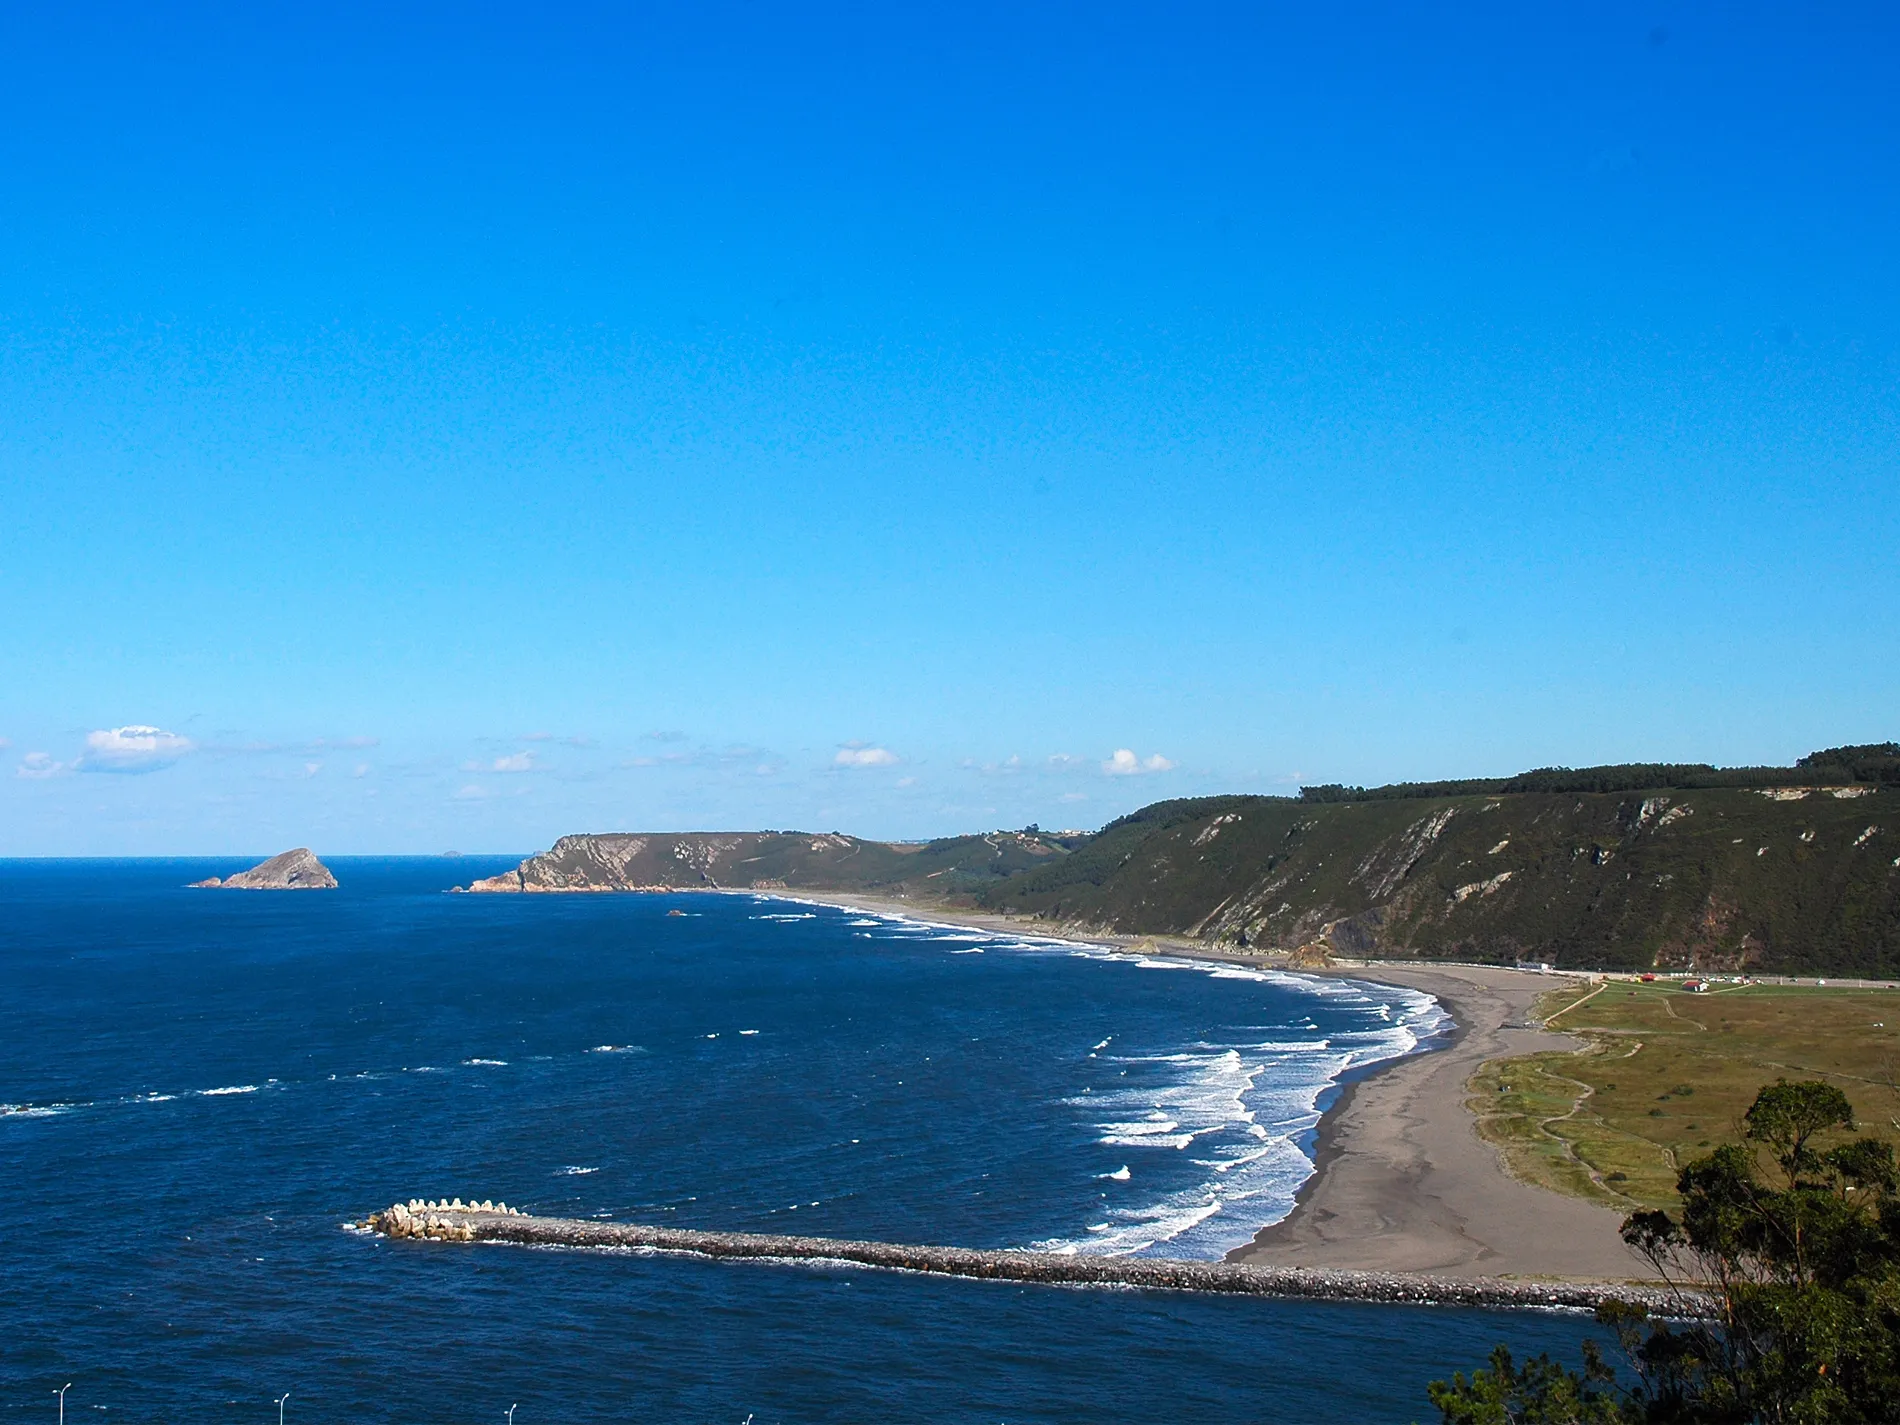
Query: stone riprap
[456, 1221]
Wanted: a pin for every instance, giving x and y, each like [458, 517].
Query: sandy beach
[1403, 1182]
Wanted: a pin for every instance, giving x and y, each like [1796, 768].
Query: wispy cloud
[471, 793]
[862, 754]
[738, 757]
[40, 765]
[513, 762]
[315, 744]
[1126, 764]
[133, 748]
[1008, 767]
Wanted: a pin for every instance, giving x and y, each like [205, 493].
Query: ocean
[198, 1089]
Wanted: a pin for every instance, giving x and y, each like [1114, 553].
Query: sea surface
[198, 1089]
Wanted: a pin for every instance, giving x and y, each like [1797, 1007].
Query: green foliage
[1540, 1392]
[1719, 880]
[1871, 762]
[1875, 762]
[1792, 1237]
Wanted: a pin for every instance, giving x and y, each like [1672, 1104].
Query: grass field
[1666, 1075]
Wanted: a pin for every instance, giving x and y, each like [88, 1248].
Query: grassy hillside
[1797, 880]
[1666, 1075]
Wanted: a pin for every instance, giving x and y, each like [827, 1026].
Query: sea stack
[297, 870]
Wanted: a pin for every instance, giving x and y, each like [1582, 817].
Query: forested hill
[1788, 879]
[1775, 869]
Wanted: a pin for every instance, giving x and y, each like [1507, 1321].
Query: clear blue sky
[452, 427]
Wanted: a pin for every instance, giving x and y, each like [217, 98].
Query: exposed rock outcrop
[297, 870]
[773, 860]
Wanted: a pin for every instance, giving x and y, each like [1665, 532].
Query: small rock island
[297, 870]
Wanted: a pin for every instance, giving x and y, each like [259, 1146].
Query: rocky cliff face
[1795, 879]
[1791, 879]
[774, 860]
[297, 870]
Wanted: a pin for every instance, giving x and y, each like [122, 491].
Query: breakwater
[455, 1221]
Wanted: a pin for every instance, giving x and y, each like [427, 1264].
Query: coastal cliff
[1779, 879]
[297, 870]
[1780, 870]
[775, 860]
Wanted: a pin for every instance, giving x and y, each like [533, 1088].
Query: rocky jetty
[485, 1221]
[297, 870]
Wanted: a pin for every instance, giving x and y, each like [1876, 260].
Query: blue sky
[453, 427]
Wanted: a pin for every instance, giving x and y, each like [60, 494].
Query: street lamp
[511, 1413]
[280, 1407]
[61, 1393]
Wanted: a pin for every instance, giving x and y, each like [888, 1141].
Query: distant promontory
[297, 870]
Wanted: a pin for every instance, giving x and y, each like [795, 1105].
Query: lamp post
[61, 1393]
[511, 1412]
[280, 1407]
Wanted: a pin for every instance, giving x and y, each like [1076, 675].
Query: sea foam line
[1256, 1130]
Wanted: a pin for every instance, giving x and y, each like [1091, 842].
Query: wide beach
[1402, 1180]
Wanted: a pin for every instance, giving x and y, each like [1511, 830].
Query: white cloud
[134, 748]
[858, 754]
[39, 765]
[514, 762]
[906, 781]
[362, 770]
[310, 769]
[1073, 797]
[1125, 764]
[470, 793]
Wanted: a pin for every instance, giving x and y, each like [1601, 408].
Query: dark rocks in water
[297, 870]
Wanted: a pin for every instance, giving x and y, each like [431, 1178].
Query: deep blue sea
[198, 1089]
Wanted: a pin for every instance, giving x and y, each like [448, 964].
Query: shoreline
[1401, 1182]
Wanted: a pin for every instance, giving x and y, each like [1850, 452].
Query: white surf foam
[1244, 1106]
